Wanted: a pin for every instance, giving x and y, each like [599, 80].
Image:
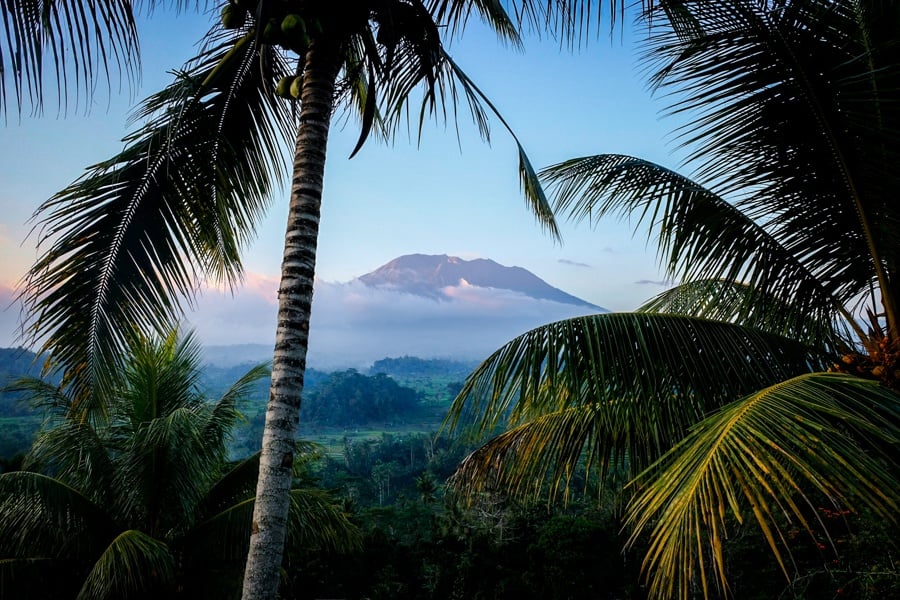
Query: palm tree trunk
[263, 570]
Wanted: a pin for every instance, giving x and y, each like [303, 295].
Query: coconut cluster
[279, 25]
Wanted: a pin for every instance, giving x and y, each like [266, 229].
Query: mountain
[429, 275]
[434, 307]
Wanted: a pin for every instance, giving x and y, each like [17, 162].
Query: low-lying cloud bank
[353, 324]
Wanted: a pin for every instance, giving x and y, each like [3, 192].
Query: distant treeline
[399, 391]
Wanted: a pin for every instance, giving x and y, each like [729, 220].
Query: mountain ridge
[430, 274]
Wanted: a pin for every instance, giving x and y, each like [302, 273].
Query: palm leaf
[539, 458]
[128, 243]
[165, 470]
[625, 387]
[80, 40]
[451, 83]
[239, 482]
[702, 236]
[793, 114]
[133, 563]
[738, 303]
[225, 415]
[76, 455]
[42, 517]
[314, 521]
[819, 433]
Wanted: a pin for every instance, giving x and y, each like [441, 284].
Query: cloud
[573, 263]
[353, 324]
[660, 282]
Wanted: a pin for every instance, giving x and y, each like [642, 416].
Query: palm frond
[625, 387]
[769, 454]
[452, 82]
[42, 517]
[314, 521]
[699, 234]
[43, 397]
[239, 482]
[492, 12]
[572, 21]
[77, 455]
[733, 302]
[540, 458]
[128, 242]
[224, 414]
[78, 41]
[165, 470]
[793, 114]
[133, 563]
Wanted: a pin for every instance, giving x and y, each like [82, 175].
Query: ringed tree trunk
[263, 570]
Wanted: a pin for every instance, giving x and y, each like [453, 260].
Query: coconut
[296, 87]
[283, 89]
[233, 16]
[293, 25]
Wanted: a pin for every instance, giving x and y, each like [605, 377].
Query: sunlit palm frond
[687, 365]
[128, 242]
[769, 454]
[611, 392]
[733, 302]
[133, 561]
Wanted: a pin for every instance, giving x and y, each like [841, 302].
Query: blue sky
[447, 195]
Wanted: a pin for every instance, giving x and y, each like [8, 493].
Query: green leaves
[128, 243]
[146, 497]
[614, 390]
[133, 561]
[78, 40]
[774, 453]
[794, 120]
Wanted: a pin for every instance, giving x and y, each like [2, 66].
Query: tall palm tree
[146, 504]
[128, 243]
[765, 382]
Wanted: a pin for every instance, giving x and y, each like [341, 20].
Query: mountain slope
[428, 275]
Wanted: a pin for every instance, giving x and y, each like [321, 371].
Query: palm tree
[146, 504]
[765, 382]
[129, 243]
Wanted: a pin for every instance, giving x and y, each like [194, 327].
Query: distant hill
[415, 367]
[428, 275]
